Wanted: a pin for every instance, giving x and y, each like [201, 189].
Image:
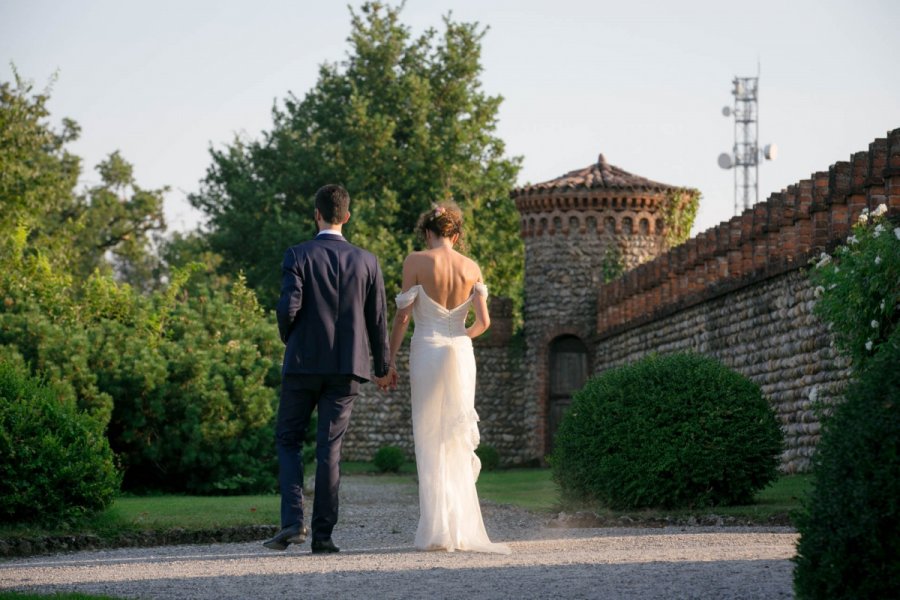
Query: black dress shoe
[286, 537]
[324, 547]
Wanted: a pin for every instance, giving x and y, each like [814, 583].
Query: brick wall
[739, 292]
[773, 237]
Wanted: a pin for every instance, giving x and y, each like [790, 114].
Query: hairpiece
[439, 211]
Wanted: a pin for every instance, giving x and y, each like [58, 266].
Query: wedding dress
[445, 426]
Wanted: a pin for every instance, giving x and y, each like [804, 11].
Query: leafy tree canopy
[109, 227]
[403, 122]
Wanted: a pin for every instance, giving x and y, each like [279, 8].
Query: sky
[643, 82]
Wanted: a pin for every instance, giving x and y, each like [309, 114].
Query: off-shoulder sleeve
[408, 297]
[481, 289]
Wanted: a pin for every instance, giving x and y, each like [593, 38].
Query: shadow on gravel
[745, 579]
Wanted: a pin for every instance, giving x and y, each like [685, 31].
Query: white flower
[824, 259]
[863, 218]
[852, 240]
[897, 232]
[877, 260]
[869, 345]
[837, 270]
[819, 291]
[874, 324]
[813, 394]
[882, 208]
[878, 229]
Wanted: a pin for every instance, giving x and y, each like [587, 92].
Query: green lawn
[532, 489]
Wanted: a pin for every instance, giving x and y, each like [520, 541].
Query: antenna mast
[745, 155]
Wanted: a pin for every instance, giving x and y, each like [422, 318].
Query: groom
[330, 315]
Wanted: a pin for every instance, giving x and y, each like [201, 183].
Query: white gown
[445, 426]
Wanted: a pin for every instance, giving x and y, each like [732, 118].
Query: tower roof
[598, 176]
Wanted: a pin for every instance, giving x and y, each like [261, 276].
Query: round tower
[579, 230]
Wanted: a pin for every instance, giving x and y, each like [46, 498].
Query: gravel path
[377, 560]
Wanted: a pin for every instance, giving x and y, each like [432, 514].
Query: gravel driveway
[377, 560]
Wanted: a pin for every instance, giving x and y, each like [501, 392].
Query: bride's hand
[392, 377]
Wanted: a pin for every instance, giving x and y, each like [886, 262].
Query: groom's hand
[389, 381]
[384, 383]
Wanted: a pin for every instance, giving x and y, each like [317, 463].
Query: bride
[441, 285]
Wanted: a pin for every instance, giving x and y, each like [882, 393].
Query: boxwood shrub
[850, 524]
[55, 463]
[489, 457]
[389, 459]
[672, 431]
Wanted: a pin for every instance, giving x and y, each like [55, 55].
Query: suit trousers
[333, 396]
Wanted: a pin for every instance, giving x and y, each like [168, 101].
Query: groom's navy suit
[331, 315]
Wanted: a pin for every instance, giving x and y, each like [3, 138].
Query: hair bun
[443, 219]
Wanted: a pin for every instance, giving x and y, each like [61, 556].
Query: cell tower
[745, 156]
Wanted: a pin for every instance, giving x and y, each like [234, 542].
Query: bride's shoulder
[472, 270]
[417, 256]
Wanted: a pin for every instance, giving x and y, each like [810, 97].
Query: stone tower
[577, 228]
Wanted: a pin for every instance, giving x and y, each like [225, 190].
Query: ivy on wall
[613, 265]
[679, 212]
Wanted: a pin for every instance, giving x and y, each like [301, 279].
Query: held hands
[389, 381]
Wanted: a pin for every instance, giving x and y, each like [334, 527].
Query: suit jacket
[332, 310]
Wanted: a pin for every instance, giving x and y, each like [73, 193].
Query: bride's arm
[401, 317]
[482, 318]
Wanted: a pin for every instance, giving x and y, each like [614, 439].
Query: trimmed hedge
[850, 524]
[389, 459]
[55, 463]
[667, 431]
[489, 457]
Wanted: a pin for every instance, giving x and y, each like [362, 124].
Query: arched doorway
[568, 372]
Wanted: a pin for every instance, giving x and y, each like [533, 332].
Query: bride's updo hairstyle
[443, 219]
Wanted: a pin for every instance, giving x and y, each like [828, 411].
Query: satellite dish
[770, 152]
[725, 160]
[726, 111]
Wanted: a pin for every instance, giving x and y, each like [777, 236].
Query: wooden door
[568, 372]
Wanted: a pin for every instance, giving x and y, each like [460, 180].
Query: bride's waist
[440, 336]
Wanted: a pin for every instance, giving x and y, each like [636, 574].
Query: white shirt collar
[330, 232]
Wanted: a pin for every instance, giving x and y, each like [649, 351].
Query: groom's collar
[329, 233]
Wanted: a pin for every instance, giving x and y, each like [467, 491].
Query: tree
[107, 228]
[115, 223]
[402, 123]
[37, 173]
[182, 378]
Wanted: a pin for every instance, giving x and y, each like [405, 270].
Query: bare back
[446, 275]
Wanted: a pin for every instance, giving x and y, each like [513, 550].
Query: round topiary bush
[667, 431]
[489, 457]
[389, 459]
[850, 523]
[55, 463]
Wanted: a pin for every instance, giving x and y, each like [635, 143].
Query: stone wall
[739, 292]
[766, 331]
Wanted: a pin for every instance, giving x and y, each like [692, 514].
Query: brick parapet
[766, 240]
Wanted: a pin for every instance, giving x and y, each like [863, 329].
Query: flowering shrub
[858, 287]
[850, 522]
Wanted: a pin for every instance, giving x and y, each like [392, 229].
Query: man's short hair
[333, 203]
